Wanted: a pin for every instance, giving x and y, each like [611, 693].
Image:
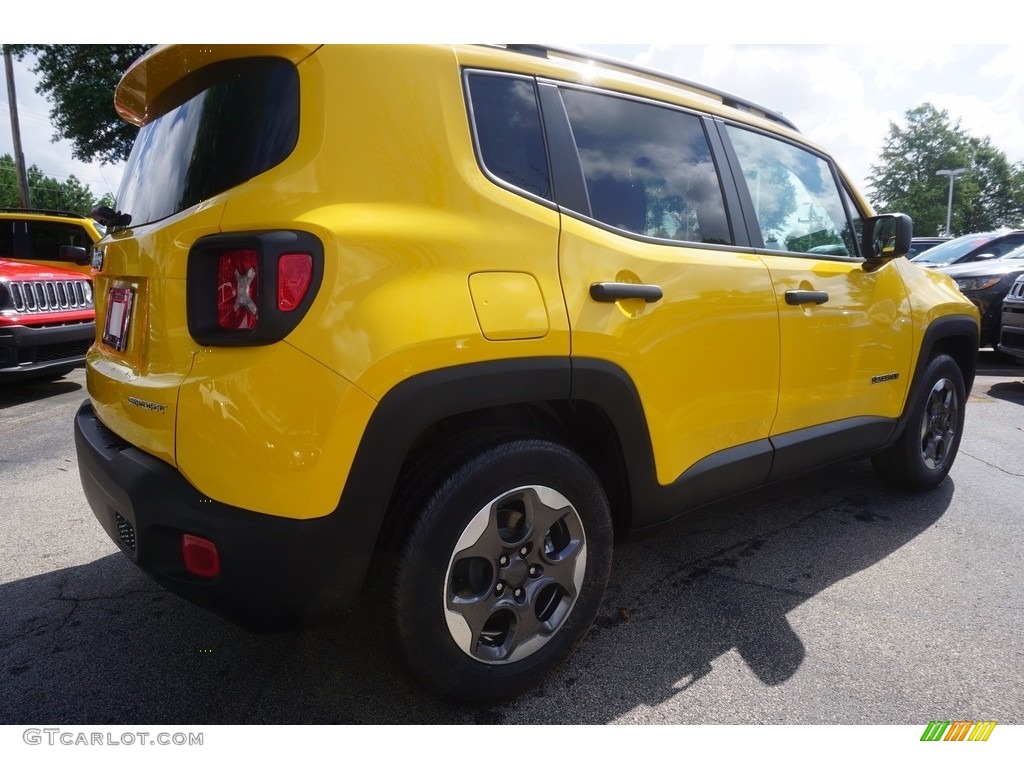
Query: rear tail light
[238, 290]
[251, 288]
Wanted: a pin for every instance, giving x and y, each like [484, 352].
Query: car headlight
[977, 283]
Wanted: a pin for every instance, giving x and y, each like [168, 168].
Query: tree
[905, 179]
[990, 195]
[79, 82]
[45, 191]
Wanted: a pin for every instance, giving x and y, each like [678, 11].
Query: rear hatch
[210, 119]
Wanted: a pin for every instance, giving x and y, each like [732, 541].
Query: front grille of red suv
[39, 296]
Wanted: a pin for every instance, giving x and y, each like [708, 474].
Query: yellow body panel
[268, 412]
[704, 359]
[508, 305]
[839, 358]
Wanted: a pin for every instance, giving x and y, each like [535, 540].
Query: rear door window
[648, 168]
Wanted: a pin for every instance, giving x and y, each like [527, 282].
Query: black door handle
[796, 298]
[620, 291]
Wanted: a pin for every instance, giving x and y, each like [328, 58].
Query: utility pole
[19, 156]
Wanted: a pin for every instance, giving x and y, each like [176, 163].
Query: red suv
[47, 320]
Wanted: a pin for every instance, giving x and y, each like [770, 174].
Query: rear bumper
[26, 351]
[274, 571]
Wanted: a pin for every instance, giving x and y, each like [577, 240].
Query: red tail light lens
[294, 273]
[238, 289]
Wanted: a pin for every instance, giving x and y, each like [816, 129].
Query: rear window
[224, 125]
[40, 240]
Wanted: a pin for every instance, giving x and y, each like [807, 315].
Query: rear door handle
[620, 291]
[796, 298]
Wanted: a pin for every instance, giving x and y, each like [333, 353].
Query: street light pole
[949, 204]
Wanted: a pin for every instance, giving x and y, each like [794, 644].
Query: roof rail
[727, 99]
[44, 211]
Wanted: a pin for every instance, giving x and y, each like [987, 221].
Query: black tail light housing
[251, 288]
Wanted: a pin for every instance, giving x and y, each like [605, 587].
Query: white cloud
[842, 96]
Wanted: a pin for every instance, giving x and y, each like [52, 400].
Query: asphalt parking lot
[826, 600]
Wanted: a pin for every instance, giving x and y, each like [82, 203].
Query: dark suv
[1011, 333]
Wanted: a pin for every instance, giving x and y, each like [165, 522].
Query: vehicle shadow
[101, 644]
[21, 392]
[1011, 391]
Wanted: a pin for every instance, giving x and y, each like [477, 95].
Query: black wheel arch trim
[960, 330]
[418, 403]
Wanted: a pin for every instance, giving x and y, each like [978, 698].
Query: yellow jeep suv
[435, 324]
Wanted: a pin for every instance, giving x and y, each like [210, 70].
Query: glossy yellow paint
[162, 66]
[833, 353]
[705, 359]
[405, 216]
[508, 305]
[252, 413]
[135, 391]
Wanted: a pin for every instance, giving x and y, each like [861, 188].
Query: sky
[840, 93]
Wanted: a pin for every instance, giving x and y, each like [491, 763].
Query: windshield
[231, 122]
[40, 240]
[948, 253]
[1016, 253]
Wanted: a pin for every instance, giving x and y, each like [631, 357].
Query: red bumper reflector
[200, 556]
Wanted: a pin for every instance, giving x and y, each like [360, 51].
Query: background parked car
[985, 283]
[922, 244]
[47, 320]
[50, 238]
[1011, 333]
[974, 247]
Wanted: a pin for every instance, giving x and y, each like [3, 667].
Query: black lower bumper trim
[275, 572]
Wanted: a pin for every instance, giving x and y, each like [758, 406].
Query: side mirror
[984, 256]
[886, 236]
[75, 254]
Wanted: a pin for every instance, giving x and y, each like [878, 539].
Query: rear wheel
[924, 453]
[502, 571]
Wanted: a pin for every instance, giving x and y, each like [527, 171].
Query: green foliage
[79, 82]
[44, 191]
[987, 197]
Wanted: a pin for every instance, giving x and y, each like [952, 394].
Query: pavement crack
[994, 466]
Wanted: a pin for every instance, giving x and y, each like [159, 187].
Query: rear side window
[506, 122]
[798, 204]
[648, 169]
[224, 124]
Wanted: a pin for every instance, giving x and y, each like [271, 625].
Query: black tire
[922, 456]
[502, 571]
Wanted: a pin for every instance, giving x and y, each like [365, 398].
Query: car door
[655, 285]
[845, 329]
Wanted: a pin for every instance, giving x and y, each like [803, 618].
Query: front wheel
[924, 453]
[502, 572]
